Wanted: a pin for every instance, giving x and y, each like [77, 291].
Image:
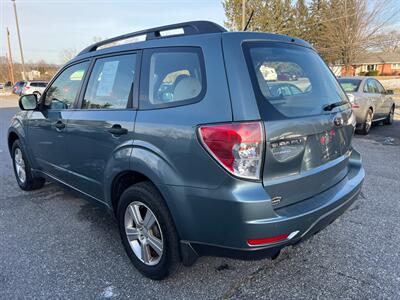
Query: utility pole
[10, 57]
[19, 40]
[243, 14]
[8, 67]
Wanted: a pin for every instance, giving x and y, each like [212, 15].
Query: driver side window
[63, 91]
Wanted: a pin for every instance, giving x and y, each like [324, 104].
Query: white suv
[33, 87]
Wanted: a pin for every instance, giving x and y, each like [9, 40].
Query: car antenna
[248, 21]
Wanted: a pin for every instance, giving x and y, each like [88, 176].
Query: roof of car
[157, 37]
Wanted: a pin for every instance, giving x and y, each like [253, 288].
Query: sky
[47, 27]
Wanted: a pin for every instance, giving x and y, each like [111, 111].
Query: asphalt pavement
[56, 245]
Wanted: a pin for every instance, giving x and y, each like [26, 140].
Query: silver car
[370, 101]
[33, 87]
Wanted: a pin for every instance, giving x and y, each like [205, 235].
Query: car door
[46, 132]
[100, 131]
[371, 89]
[385, 100]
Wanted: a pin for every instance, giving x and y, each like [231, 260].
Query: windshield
[291, 78]
[349, 85]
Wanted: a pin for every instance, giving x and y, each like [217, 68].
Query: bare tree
[67, 54]
[389, 42]
[353, 27]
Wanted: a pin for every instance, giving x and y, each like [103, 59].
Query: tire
[389, 118]
[28, 181]
[142, 198]
[37, 94]
[367, 122]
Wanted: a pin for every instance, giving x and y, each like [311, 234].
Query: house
[32, 74]
[385, 63]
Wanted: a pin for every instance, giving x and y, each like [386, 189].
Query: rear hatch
[307, 118]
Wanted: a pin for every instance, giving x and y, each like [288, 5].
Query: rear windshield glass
[291, 78]
[349, 85]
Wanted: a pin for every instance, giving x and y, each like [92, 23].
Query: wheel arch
[146, 165]
[12, 137]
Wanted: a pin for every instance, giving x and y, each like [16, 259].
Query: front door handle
[117, 129]
[59, 125]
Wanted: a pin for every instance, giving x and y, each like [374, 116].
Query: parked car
[2, 86]
[287, 77]
[207, 163]
[16, 89]
[284, 89]
[33, 87]
[370, 101]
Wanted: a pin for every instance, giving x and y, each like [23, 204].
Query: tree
[352, 28]
[67, 54]
[268, 15]
[339, 29]
[388, 42]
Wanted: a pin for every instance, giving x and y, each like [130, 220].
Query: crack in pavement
[235, 288]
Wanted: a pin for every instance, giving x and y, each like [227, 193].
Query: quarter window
[111, 83]
[63, 91]
[171, 77]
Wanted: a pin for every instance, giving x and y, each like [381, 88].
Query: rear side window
[111, 83]
[38, 84]
[171, 77]
[290, 80]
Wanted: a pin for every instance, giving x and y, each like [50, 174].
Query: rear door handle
[117, 129]
[59, 125]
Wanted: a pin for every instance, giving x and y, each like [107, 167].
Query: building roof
[378, 58]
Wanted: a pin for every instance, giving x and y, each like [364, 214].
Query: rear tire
[135, 204]
[366, 126]
[390, 117]
[22, 170]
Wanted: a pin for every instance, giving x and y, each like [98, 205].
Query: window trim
[144, 103]
[73, 106]
[133, 96]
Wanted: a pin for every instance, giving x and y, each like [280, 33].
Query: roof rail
[189, 28]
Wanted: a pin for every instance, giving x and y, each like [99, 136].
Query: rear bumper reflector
[273, 239]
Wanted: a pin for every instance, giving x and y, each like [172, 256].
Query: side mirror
[28, 102]
[389, 92]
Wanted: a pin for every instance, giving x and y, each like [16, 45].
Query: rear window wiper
[331, 106]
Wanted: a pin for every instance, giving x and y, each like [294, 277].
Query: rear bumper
[273, 249]
[220, 222]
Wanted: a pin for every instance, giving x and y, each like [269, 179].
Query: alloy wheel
[368, 121]
[19, 165]
[144, 233]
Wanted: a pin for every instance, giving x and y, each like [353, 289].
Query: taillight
[353, 101]
[27, 87]
[238, 147]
